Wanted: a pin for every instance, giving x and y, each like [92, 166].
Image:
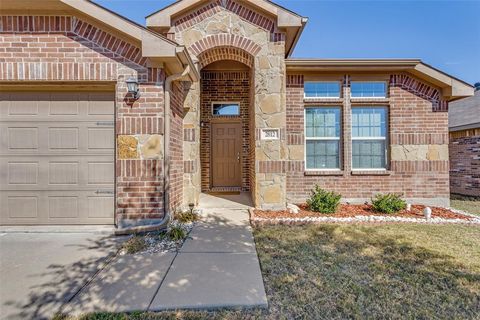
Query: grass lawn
[337, 271]
[467, 204]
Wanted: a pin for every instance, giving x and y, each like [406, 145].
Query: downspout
[166, 162]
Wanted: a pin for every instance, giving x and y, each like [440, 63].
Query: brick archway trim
[225, 53]
[216, 6]
[224, 40]
[420, 89]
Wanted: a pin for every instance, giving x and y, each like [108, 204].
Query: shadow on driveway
[42, 271]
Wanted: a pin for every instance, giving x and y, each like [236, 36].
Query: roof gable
[263, 13]
[163, 17]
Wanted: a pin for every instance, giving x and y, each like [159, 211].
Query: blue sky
[444, 34]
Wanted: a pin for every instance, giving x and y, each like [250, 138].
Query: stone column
[191, 147]
[270, 113]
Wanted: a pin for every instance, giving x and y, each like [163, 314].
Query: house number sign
[270, 134]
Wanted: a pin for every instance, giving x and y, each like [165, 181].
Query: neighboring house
[464, 125]
[221, 107]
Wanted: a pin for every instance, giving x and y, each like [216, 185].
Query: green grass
[337, 271]
[467, 204]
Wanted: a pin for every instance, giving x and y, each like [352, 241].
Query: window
[226, 108]
[368, 89]
[322, 135]
[369, 137]
[322, 89]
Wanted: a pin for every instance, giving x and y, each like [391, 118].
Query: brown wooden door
[226, 154]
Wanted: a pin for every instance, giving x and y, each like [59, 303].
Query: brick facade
[225, 86]
[412, 121]
[176, 146]
[66, 48]
[82, 49]
[465, 162]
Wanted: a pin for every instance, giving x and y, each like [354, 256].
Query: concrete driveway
[39, 272]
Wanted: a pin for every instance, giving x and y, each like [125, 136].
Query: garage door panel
[100, 139]
[60, 172]
[57, 158]
[62, 106]
[55, 207]
[57, 137]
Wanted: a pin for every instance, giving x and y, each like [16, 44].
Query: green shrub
[388, 203]
[186, 217]
[176, 233]
[323, 201]
[135, 244]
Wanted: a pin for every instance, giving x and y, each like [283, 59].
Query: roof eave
[452, 88]
[154, 46]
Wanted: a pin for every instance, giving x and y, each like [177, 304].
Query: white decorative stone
[293, 209]
[427, 212]
[409, 206]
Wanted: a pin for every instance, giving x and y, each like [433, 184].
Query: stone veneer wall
[67, 48]
[218, 27]
[465, 162]
[418, 157]
[224, 86]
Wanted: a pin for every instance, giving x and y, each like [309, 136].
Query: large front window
[369, 137]
[322, 133]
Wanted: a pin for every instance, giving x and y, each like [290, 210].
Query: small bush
[388, 203]
[323, 201]
[186, 217]
[176, 233]
[135, 244]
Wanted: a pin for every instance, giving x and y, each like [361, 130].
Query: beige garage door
[56, 158]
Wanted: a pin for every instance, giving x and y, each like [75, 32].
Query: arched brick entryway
[224, 40]
[231, 82]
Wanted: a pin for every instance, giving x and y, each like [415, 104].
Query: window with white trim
[322, 138]
[368, 89]
[322, 89]
[369, 138]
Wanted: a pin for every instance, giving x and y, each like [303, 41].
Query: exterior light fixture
[132, 85]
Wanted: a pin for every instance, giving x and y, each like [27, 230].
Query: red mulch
[352, 210]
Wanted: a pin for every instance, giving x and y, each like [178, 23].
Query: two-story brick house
[221, 106]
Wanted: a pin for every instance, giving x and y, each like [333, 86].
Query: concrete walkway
[216, 267]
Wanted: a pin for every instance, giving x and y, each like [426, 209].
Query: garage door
[56, 158]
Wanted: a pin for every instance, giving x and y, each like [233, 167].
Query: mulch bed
[352, 210]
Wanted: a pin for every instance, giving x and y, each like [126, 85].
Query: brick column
[139, 160]
[347, 127]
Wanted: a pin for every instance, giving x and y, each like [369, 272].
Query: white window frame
[370, 81]
[226, 102]
[322, 138]
[371, 139]
[313, 98]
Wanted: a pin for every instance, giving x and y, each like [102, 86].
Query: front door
[226, 154]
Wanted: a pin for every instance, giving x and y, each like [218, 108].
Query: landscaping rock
[428, 213]
[293, 209]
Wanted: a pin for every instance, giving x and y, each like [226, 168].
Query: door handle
[238, 156]
[104, 192]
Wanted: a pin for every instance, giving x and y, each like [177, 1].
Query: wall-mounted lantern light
[132, 85]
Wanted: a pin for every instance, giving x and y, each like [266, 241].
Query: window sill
[378, 172]
[323, 100]
[369, 100]
[324, 173]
